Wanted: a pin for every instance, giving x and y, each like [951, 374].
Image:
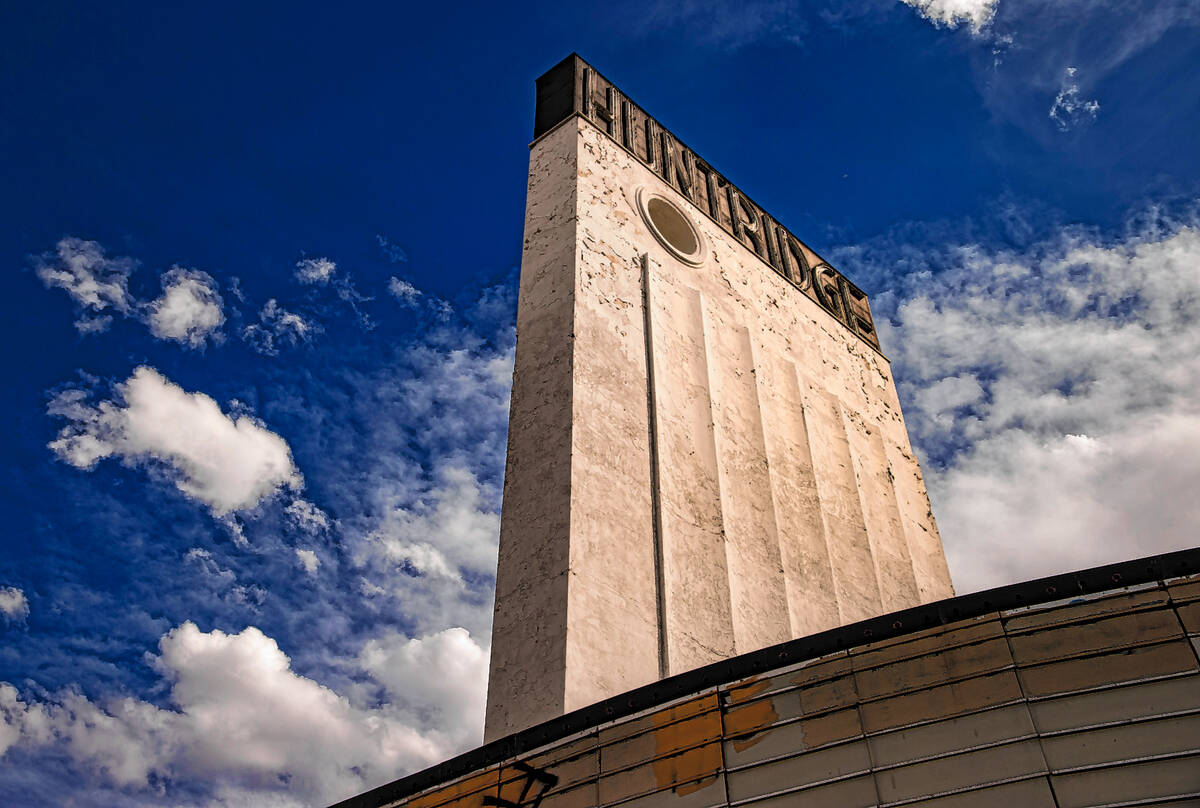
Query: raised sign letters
[574, 88]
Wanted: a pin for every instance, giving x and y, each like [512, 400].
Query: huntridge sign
[573, 87]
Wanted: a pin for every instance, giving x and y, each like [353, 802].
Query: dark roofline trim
[1146, 570]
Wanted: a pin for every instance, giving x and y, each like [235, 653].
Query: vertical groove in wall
[854, 576]
[696, 599]
[664, 668]
[773, 537]
[881, 514]
[861, 480]
[752, 546]
[902, 565]
[803, 540]
[613, 634]
[717, 449]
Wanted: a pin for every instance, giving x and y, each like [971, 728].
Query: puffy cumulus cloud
[952, 13]
[277, 327]
[228, 463]
[1055, 396]
[13, 604]
[315, 270]
[20, 721]
[1070, 109]
[258, 732]
[308, 560]
[94, 281]
[455, 699]
[190, 309]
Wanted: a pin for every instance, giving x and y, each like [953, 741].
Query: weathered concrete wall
[760, 488]
[784, 463]
[1091, 701]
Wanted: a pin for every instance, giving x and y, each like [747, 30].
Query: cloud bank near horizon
[1054, 395]
[242, 718]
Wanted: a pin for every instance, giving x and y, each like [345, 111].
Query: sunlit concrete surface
[703, 460]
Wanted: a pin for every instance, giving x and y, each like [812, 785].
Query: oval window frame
[644, 196]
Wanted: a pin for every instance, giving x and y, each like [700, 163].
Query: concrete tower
[706, 454]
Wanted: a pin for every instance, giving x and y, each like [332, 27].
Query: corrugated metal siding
[1091, 702]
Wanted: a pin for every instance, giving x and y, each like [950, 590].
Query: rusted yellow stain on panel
[745, 724]
[703, 704]
[678, 735]
[820, 671]
[680, 771]
[678, 712]
[703, 761]
[827, 729]
[691, 788]
[748, 689]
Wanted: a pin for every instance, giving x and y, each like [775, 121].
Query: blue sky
[259, 301]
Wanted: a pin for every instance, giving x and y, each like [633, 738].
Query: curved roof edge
[1156, 568]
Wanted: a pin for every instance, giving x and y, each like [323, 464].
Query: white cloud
[454, 513]
[345, 289]
[247, 724]
[88, 324]
[227, 463]
[308, 559]
[13, 604]
[1069, 108]
[190, 309]
[427, 547]
[277, 326]
[1018, 65]
[454, 699]
[315, 270]
[1056, 396]
[430, 487]
[952, 13]
[209, 567]
[307, 517]
[403, 291]
[93, 280]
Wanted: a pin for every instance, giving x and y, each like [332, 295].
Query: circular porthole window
[671, 227]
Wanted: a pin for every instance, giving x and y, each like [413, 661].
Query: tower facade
[706, 454]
